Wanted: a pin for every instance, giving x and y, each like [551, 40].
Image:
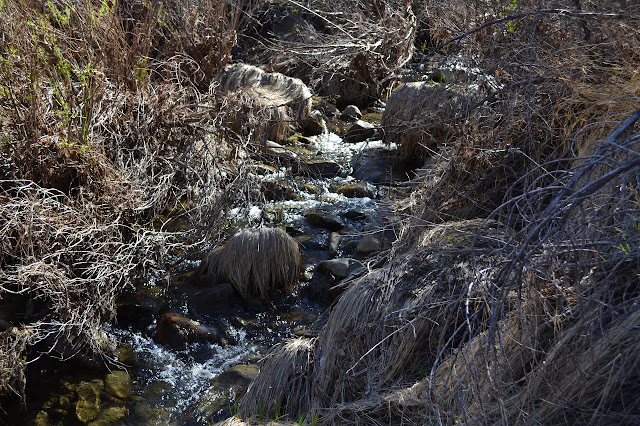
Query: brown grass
[257, 262]
[260, 104]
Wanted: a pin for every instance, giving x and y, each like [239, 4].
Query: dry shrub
[261, 104]
[257, 262]
[287, 390]
[352, 55]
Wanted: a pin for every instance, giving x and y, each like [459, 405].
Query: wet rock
[339, 268]
[278, 151]
[354, 214]
[330, 111]
[324, 220]
[360, 131]
[317, 167]
[311, 189]
[351, 113]
[334, 242]
[279, 191]
[118, 384]
[355, 190]
[350, 246]
[110, 416]
[313, 124]
[369, 244]
[88, 405]
[215, 299]
[309, 242]
[178, 331]
[237, 376]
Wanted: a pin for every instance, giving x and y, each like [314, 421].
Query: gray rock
[313, 124]
[339, 268]
[334, 242]
[360, 131]
[369, 244]
[351, 113]
[324, 220]
[88, 405]
[330, 111]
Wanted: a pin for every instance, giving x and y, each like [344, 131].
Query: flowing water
[198, 384]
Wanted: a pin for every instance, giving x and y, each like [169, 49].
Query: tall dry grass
[106, 121]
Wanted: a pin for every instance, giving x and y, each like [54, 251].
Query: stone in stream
[118, 384]
[355, 190]
[334, 242]
[279, 191]
[317, 167]
[330, 111]
[369, 243]
[360, 131]
[339, 268]
[88, 404]
[228, 386]
[351, 113]
[177, 331]
[354, 214]
[324, 220]
[313, 124]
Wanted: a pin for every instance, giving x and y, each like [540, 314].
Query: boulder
[325, 220]
[351, 113]
[334, 242]
[360, 131]
[177, 331]
[317, 167]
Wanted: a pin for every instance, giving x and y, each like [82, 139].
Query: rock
[328, 221]
[350, 247]
[351, 113]
[368, 244]
[237, 376]
[310, 243]
[334, 242]
[360, 131]
[110, 416]
[215, 299]
[88, 405]
[313, 124]
[118, 384]
[278, 151]
[355, 190]
[317, 167]
[278, 191]
[330, 111]
[354, 214]
[339, 268]
[178, 331]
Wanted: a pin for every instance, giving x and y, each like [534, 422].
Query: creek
[345, 198]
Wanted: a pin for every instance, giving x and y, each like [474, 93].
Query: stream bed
[334, 201]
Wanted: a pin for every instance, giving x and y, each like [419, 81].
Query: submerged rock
[118, 384]
[88, 405]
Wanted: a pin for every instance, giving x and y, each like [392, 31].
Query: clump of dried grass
[260, 104]
[287, 390]
[257, 262]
